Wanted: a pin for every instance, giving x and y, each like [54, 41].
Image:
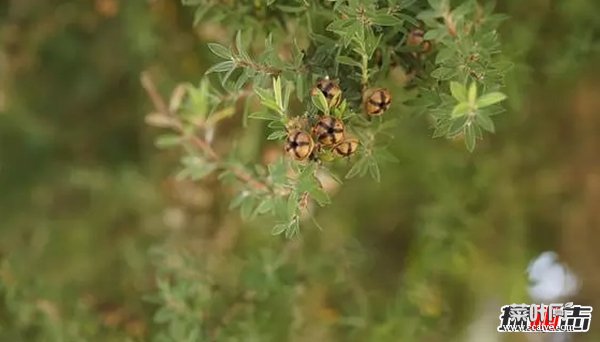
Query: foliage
[101, 240]
[357, 43]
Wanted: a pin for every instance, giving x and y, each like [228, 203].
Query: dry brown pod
[376, 101]
[346, 148]
[329, 131]
[416, 37]
[299, 145]
[331, 90]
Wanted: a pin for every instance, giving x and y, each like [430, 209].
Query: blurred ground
[86, 196]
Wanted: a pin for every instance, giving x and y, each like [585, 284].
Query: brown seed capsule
[346, 148]
[299, 145]
[377, 101]
[329, 131]
[331, 90]
[416, 38]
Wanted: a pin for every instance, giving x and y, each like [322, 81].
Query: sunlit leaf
[219, 50]
[472, 92]
[348, 61]
[168, 140]
[470, 137]
[490, 99]
[279, 228]
[485, 122]
[458, 91]
[221, 67]
[460, 109]
[385, 20]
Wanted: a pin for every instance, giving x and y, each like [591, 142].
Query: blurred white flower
[550, 280]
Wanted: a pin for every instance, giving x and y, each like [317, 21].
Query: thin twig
[265, 69]
[161, 106]
[450, 24]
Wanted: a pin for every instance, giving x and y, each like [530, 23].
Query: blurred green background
[91, 217]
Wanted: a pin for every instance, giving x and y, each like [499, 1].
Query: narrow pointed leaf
[460, 109]
[219, 50]
[490, 99]
[459, 92]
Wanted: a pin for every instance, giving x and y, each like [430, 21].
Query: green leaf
[272, 105]
[176, 329]
[460, 109]
[300, 87]
[168, 140]
[247, 208]
[435, 34]
[264, 115]
[320, 102]
[348, 61]
[490, 99]
[286, 96]
[320, 196]
[279, 228]
[163, 315]
[196, 168]
[242, 80]
[293, 229]
[472, 92]
[382, 154]
[456, 126]
[444, 73]
[202, 171]
[372, 43]
[277, 91]
[200, 13]
[436, 4]
[196, 107]
[160, 120]
[359, 168]
[485, 122]
[221, 67]
[444, 55]
[291, 9]
[459, 91]
[292, 205]
[238, 200]
[428, 15]
[265, 206]
[219, 50]
[277, 135]
[278, 172]
[385, 20]
[411, 20]
[470, 136]
[239, 46]
[441, 128]
[374, 170]
[264, 94]
[276, 125]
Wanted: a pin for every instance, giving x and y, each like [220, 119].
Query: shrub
[331, 79]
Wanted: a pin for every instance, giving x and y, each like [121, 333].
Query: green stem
[365, 71]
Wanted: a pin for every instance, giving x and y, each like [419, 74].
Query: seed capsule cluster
[328, 133]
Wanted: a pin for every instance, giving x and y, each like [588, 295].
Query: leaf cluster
[356, 43]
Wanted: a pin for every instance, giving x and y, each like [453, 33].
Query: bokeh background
[98, 242]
